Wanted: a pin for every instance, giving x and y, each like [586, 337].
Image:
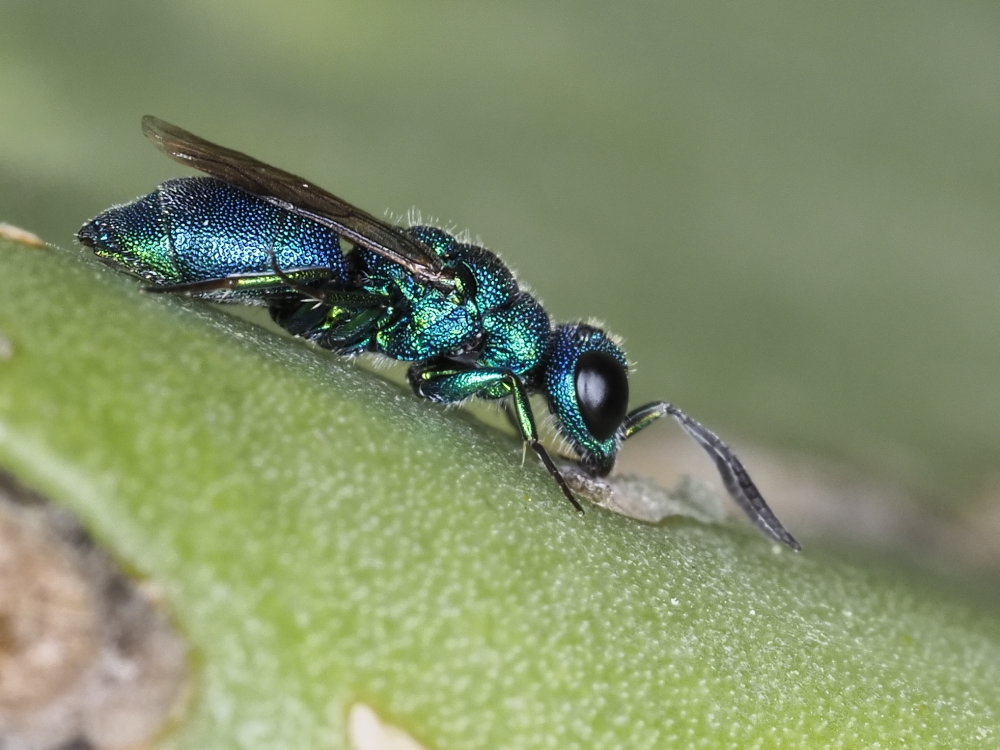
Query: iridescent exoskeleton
[255, 234]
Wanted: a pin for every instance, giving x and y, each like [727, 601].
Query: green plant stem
[323, 537]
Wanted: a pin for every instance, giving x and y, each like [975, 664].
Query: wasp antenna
[734, 475]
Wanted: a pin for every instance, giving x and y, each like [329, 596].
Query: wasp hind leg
[238, 287]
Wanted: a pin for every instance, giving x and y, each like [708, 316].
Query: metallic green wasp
[255, 234]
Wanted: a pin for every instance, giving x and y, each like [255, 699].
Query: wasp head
[586, 383]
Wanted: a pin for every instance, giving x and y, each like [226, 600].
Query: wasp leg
[344, 321]
[451, 384]
[265, 283]
[734, 475]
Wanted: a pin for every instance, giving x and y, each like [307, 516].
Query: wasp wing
[299, 196]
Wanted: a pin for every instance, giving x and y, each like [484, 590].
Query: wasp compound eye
[602, 392]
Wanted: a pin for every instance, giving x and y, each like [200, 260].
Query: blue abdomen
[197, 229]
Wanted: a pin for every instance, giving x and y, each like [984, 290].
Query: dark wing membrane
[298, 196]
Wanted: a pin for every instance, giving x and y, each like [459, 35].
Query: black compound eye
[602, 393]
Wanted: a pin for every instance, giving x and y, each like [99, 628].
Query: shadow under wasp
[255, 234]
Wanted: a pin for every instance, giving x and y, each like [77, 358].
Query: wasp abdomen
[197, 229]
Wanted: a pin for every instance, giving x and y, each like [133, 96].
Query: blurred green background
[790, 212]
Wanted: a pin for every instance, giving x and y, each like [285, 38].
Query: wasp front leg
[451, 384]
